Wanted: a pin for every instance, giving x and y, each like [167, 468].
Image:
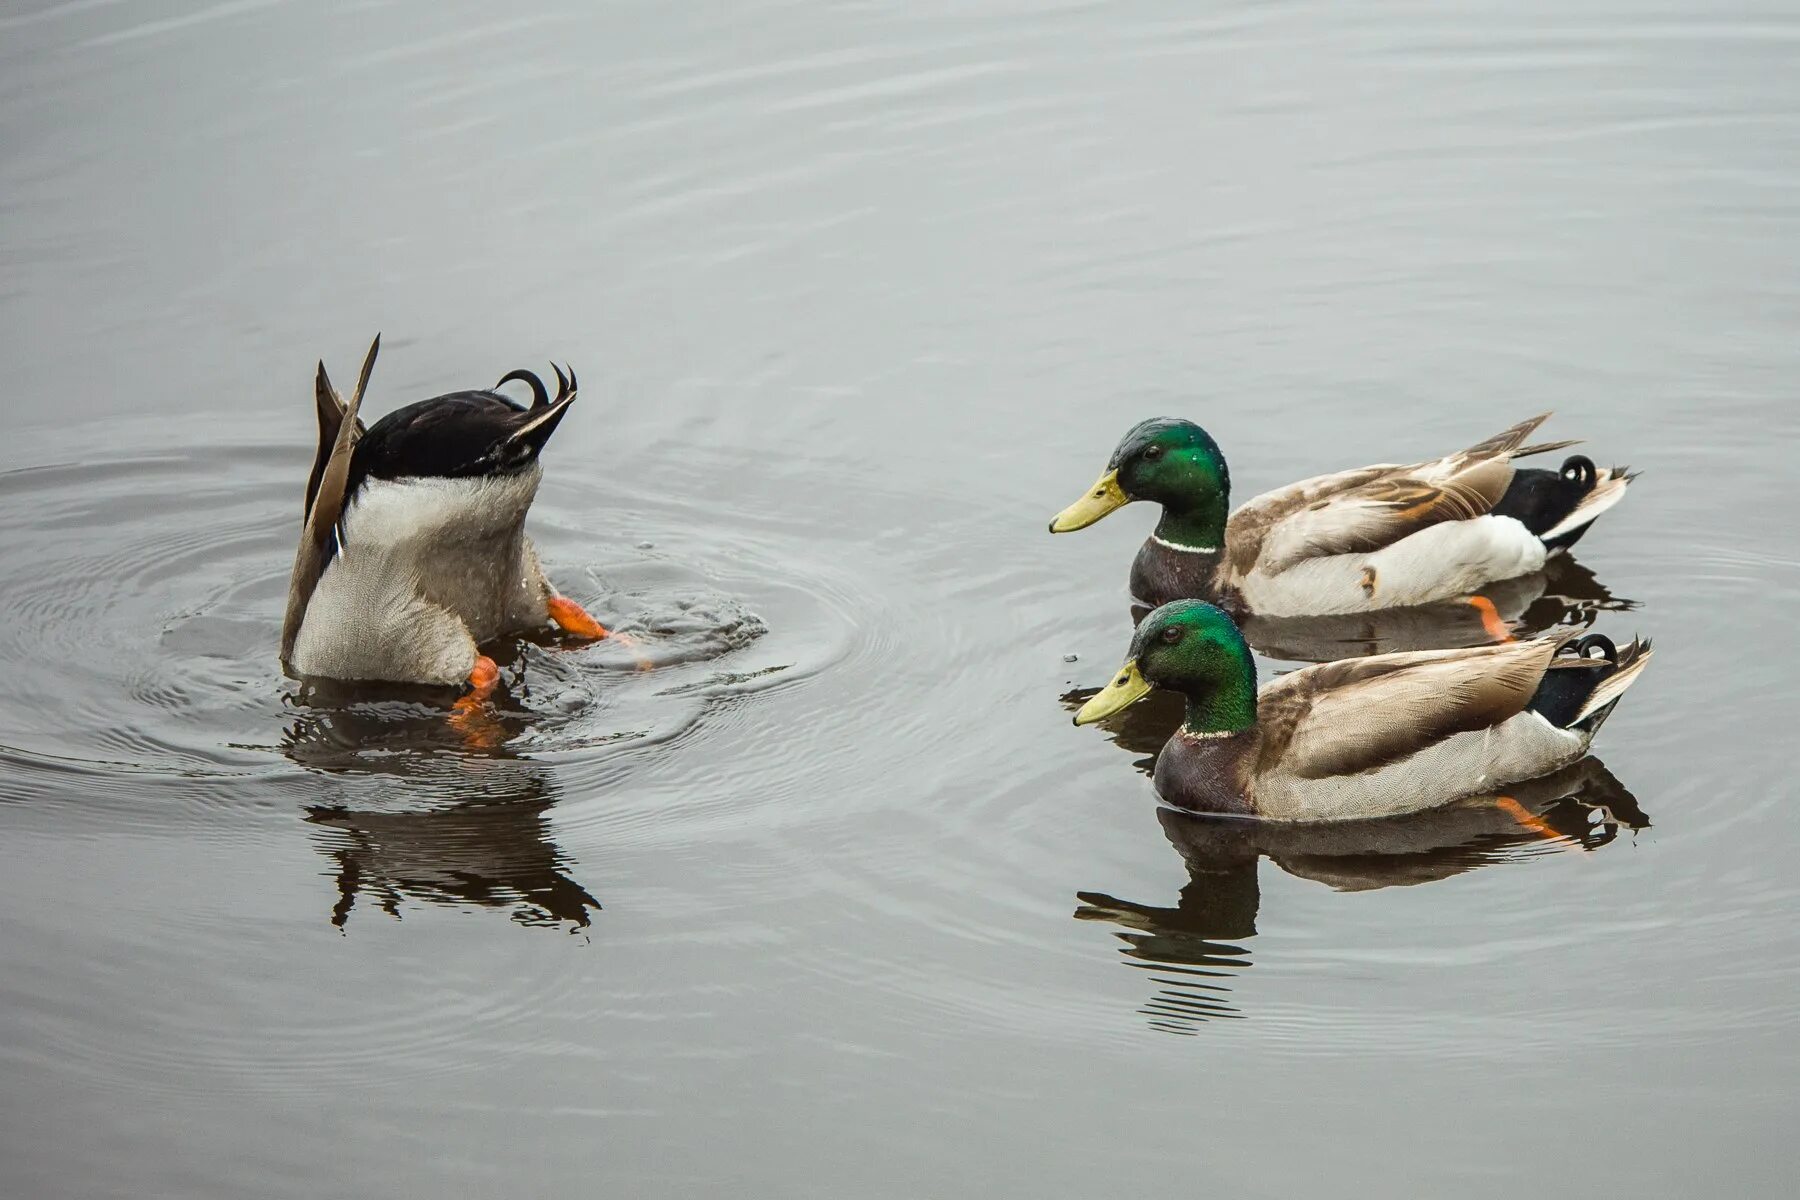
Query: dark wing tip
[368, 369]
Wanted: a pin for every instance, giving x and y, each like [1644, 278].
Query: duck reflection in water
[1196, 948]
[1564, 593]
[426, 819]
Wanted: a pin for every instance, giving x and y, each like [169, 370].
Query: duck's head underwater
[413, 551]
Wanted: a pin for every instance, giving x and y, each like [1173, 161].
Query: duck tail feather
[1632, 661]
[542, 424]
[1609, 488]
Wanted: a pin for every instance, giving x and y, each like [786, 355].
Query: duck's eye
[1152, 453]
[1172, 634]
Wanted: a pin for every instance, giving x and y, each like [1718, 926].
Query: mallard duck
[1364, 737]
[1379, 537]
[413, 550]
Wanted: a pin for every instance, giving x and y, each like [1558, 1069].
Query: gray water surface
[831, 900]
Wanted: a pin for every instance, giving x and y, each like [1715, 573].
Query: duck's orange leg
[570, 617]
[484, 677]
[1526, 818]
[1491, 623]
[470, 713]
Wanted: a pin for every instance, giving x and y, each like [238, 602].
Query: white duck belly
[1442, 561]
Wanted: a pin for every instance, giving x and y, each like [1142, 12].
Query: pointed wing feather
[325, 492]
[1545, 447]
[330, 408]
[1346, 717]
[1504, 444]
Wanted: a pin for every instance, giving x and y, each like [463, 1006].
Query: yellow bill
[1126, 689]
[1105, 496]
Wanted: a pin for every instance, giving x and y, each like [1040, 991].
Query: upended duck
[1378, 537]
[1364, 737]
[413, 551]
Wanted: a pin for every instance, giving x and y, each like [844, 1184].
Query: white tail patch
[1608, 490]
[1637, 656]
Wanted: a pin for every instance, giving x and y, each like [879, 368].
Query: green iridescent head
[1192, 648]
[1172, 462]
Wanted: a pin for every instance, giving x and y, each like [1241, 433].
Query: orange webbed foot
[570, 617]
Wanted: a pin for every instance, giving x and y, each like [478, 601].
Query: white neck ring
[1168, 545]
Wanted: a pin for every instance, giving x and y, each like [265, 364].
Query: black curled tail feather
[1578, 471]
[540, 395]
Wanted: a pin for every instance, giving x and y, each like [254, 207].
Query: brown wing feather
[1346, 717]
[1250, 524]
[325, 492]
[1380, 513]
[1366, 510]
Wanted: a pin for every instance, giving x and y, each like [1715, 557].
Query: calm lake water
[833, 901]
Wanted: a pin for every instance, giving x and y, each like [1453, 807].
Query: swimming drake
[413, 550]
[1379, 537]
[1364, 737]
